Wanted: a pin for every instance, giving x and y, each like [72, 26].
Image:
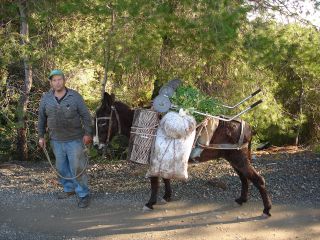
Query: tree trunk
[161, 66]
[107, 53]
[22, 147]
[165, 48]
[301, 96]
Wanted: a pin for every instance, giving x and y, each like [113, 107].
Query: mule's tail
[249, 151]
[249, 138]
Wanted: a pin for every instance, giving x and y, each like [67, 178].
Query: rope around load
[155, 127]
[174, 154]
[57, 173]
[151, 127]
[143, 131]
[203, 124]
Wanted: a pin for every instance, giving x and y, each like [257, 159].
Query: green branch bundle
[192, 99]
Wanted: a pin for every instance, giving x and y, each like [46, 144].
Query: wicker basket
[142, 135]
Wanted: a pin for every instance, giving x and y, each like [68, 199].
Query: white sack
[177, 125]
[170, 156]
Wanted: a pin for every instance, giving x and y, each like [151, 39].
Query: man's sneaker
[63, 195]
[84, 201]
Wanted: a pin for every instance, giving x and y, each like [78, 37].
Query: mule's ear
[107, 99]
[113, 98]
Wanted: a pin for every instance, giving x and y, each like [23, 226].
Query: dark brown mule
[226, 133]
[111, 113]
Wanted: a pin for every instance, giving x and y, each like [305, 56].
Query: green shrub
[192, 100]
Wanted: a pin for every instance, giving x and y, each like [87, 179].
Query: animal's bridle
[113, 110]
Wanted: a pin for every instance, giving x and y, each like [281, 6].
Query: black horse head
[112, 118]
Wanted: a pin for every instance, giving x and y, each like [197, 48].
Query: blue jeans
[70, 161]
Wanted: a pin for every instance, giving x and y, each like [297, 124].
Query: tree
[133, 47]
[22, 147]
[291, 53]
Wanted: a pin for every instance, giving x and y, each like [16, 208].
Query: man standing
[63, 112]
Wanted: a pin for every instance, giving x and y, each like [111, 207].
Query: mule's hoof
[240, 201]
[167, 199]
[264, 215]
[146, 209]
[163, 201]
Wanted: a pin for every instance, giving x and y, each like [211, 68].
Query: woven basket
[142, 135]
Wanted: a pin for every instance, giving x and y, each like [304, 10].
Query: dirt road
[201, 210]
[42, 217]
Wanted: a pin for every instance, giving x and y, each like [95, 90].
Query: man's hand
[42, 142]
[87, 139]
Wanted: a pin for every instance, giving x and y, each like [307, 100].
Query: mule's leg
[154, 192]
[259, 182]
[240, 160]
[168, 190]
[244, 188]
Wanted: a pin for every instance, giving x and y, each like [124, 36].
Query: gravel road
[203, 207]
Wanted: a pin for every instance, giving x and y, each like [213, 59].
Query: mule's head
[105, 124]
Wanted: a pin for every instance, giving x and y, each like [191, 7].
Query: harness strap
[118, 119]
[97, 130]
[225, 146]
[110, 125]
[113, 109]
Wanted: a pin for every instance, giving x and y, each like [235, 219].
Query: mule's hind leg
[259, 182]
[244, 188]
[241, 162]
[168, 190]
[154, 192]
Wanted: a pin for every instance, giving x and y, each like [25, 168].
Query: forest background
[225, 48]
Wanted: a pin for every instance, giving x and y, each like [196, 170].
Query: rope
[202, 125]
[161, 160]
[55, 170]
[142, 135]
[151, 127]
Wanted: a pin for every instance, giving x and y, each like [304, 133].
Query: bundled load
[143, 132]
[189, 98]
[167, 146]
[173, 144]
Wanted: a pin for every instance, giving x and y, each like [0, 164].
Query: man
[63, 112]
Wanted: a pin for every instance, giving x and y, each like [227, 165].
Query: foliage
[316, 149]
[211, 45]
[192, 100]
[291, 54]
